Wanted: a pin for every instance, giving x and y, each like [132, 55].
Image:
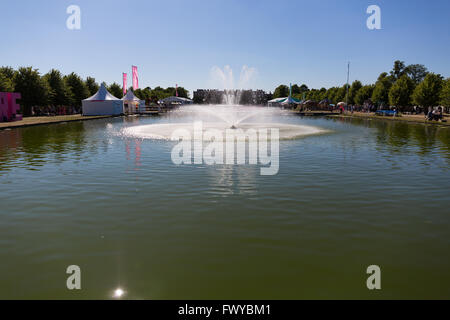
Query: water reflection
[134, 144]
[32, 147]
[226, 180]
[406, 138]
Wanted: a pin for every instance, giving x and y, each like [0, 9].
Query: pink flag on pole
[124, 83]
[135, 78]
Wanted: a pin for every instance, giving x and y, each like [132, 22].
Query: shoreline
[417, 119]
[41, 120]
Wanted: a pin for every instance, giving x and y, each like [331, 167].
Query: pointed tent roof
[285, 100]
[102, 95]
[130, 96]
[277, 100]
[175, 99]
[290, 100]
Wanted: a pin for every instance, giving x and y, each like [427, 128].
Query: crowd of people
[434, 114]
[55, 111]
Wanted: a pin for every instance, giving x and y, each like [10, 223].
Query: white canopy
[102, 95]
[130, 97]
[290, 100]
[102, 103]
[180, 100]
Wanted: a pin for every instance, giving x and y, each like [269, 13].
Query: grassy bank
[33, 121]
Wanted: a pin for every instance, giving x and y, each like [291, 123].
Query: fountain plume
[223, 79]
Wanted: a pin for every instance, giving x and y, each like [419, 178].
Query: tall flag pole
[348, 79]
[124, 83]
[135, 78]
[176, 90]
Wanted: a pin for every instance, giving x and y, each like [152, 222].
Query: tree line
[404, 87]
[57, 90]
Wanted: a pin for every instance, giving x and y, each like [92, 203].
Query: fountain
[229, 115]
[222, 117]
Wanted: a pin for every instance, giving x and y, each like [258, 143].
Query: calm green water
[369, 192]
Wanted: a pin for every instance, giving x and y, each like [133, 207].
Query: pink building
[9, 107]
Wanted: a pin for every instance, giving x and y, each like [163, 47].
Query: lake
[363, 193]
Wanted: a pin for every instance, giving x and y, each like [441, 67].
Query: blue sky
[180, 41]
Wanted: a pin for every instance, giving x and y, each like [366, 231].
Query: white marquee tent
[102, 103]
[132, 104]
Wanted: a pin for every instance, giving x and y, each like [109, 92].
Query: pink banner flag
[124, 83]
[135, 78]
[176, 90]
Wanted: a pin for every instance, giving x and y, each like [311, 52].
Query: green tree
[401, 91]
[92, 86]
[116, 90]
[398, 70]
[9, 72]
[304, 88]
[7, 75]
[428, 92]
[32, 87]
[295, 89]
[364, 94]
[417, 72]
[445, 93]
[6, 84]
[59, 94]
[355, 87]
[380, 93]
[331, 94]
[341, 94]
[77, 87]
[281, 91]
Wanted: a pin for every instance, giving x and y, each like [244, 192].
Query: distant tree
[9, 72]
[380, 93]
[295, 89]
[428, 92]
[401, 91]
[6, 85]
[281, 91]
[77, 87]
[32, 87]
[364, 94]
[59, 94]
[417, 72]
[116, 90]
[183, 93]
[398, 70]
[246, 97]
[91, 85]
[7, 75]
[304, 88]
[341, 93]
[445, 93]
[355, 87]
[331, 94]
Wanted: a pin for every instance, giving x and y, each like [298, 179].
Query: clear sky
[180, 41]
